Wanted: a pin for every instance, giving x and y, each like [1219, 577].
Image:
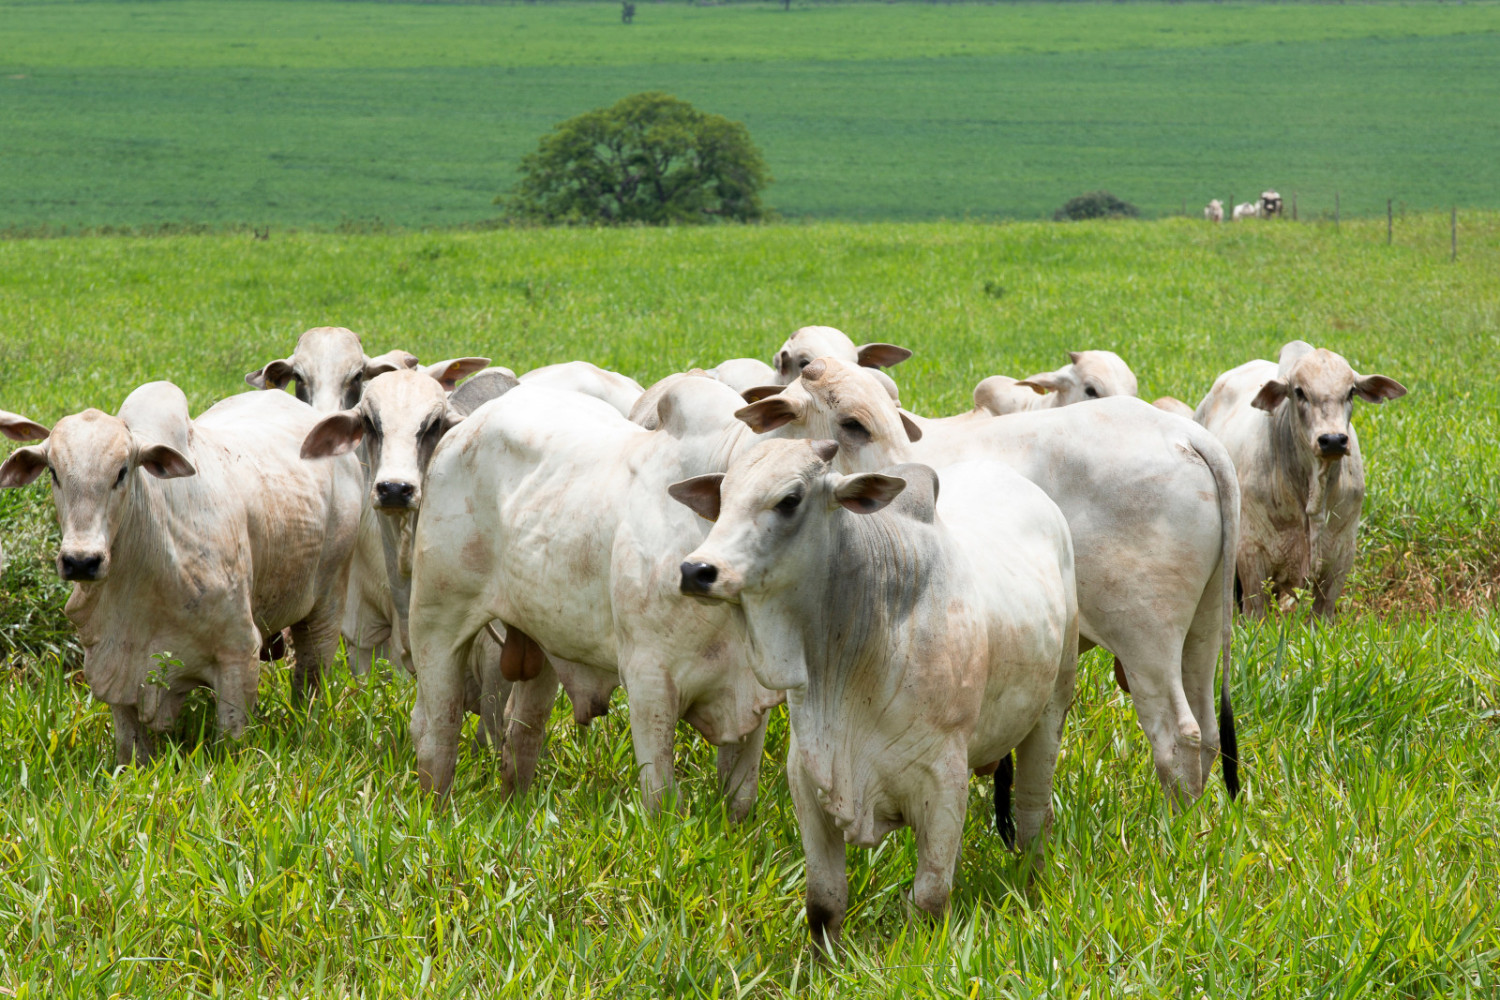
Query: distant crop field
[302, 860]
[316, 113]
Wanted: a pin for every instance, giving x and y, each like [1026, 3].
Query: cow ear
[1075, 356]
[390, 361]
[882, 355]
[449, 373]
[1044, 383]
[480, 389]
[273, 376]
[760, 392]
[1378, 388]
[1270, 396]
[783, 364]
[22, 467]
[18, 428]
[913, 432]
[165, 462]
[868, 492]
[335, 434]
[771, 413]
[700, 494]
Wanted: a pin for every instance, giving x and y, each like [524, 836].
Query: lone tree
[1096, 205]
[649, 158]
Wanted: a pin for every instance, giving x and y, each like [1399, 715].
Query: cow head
[812, 342]
[843, 402]
[96, 461]
[771, 512]
[328, 368]
[1270, 204]
[1315, 391]
[400, 418]
[1092, 375]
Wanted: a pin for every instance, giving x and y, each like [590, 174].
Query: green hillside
[317, 113]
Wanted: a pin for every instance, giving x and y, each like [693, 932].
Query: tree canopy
[649, 158]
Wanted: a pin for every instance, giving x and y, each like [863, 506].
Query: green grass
[1361, 861]
[315, 113]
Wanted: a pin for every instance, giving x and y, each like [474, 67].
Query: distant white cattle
[918, 633]
[1090, 375]
[190, 543]
[826, 342]
[1270, 205]
[1302, 479]
[1246, 210]
[1215, 211]
[1153, 506]
[545, 510]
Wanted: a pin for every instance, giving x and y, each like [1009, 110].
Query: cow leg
[438, 714]
[315, 640]
[823, 847]
[1253, 574]
[1327, 585]
[494, 689]
[133, 742]
[526, 730]
[939, 825]
[1152, 658]
[1036, 756]
[654, 710]
[1200, 660]
[739, 771]
[236, 683]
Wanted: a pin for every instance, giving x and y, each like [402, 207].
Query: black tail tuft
[1005, 823]
[1229, 746]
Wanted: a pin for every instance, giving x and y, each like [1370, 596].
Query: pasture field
[315, 112]
[1360, 861]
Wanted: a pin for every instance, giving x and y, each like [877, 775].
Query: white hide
[1089, 375]
[619, 391]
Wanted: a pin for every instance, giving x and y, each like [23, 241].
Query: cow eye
[54, 476]
[804, 362]
[854, 428]
[121, 477]
[1091, 392]
[1351, 393]
[1301, 396]
[788, 504]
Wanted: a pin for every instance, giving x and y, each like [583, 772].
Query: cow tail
[1005, 822]
[1228, 487]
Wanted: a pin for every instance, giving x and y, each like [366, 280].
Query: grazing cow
[1171, 404]
[744, 373]
[329, 368]
[1246, 210]
[396, 424]
[546, 510]
[190, 543]
[1270, 205]
[1090, 375]
[1215, 211]
[1153, 506]
[826, 342]
[619, 391]
[1302, 480]
[917, 638]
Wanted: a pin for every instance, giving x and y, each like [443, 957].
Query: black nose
[391, 494]
[79, 567]
[1334, 444]
[698, 577]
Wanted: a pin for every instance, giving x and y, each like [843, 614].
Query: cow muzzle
[81, 567]
[395, 495]
[1333, 445]
[704, 581]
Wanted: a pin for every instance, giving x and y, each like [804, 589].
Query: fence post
[1335, 211]
[1453, 222]
[1388, 222]
[1294, 206]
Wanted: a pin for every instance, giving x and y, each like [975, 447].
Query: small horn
[825, 450]
[814, 370]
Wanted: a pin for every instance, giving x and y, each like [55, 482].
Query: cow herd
[915, 590]
[1268, 206]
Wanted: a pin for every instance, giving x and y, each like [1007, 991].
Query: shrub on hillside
[1096, 205]
[650, 158]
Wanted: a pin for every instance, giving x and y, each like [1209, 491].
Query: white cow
[619, 391]
[1173, 405]
[1089, 375]
[1247, 210]
[545, 510]
[744, 373]
[190, 542]
[329, 368]
[1302, 480]
[1270, 205]
[826, 342]
[1153, 506]
[396, 424]
[918, 633]
[1215, 211]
